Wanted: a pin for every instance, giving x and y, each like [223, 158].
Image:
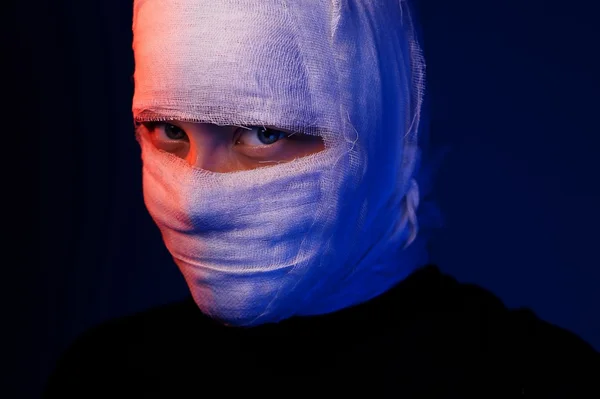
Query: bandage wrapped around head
[310, 236]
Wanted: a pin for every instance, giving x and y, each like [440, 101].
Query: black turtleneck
[428, 337]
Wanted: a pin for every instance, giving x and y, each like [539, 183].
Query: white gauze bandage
[313, 235]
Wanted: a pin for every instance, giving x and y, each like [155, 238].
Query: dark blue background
[513, 91]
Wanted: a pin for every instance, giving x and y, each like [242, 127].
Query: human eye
[265, 144]
[166, 136]
[256, 136]
[165, 132]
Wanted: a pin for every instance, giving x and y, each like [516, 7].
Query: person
[281, 163]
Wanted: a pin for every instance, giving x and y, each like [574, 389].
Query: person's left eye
[260, 136]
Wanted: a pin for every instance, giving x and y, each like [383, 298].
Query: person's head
[279, 143]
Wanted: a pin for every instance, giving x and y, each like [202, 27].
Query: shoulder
[519, 325]
[547, 358]
[553, 357]
[107, 350]
[142, 327]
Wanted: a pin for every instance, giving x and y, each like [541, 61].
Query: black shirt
[428, 337]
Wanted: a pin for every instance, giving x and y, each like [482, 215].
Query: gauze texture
[313, 235]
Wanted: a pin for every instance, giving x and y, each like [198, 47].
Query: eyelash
[152, 125]
[239, 132]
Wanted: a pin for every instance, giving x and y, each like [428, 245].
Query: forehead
[235, 63]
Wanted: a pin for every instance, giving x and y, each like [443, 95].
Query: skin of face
[224, 149]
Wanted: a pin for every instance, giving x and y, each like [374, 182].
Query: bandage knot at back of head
[314, 235]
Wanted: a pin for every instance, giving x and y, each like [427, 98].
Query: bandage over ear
[313, 235]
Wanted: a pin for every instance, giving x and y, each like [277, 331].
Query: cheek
[180, 149]
[305, 148]
[317, 146]
[239, 162]
[288, 151]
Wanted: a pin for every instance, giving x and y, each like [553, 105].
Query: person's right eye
[166, 132]
[167, 137]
